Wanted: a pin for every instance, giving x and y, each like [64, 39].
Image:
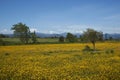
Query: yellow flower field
[59, 62]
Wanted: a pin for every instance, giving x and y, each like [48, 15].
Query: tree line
[23, 32]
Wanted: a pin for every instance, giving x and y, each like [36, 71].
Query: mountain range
[45, 35]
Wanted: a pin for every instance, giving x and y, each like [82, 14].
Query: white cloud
[33, 29]
[79, 29]
[6, 31]
[68, 28]
[74, 28]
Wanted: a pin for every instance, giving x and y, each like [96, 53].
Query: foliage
[61, 39]
[22, 32]
[109, 51]
[58, 62]
[71, 38]
[34, 37]
[92, 36]
[3, 36]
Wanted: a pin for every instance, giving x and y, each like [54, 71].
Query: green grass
[49, 40]
[38, 39]
[16, 41]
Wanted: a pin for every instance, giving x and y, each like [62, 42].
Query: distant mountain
[9, 35]
[114, 36]
[45, 35]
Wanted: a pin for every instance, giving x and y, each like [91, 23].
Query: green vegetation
[61, 39]
[93, 36]
[71, 38]
[109, 51]
[16, 41]
[33, 37]
[22, 35]
[22, 32]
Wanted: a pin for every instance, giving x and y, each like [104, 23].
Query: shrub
[87, 48]
[109, 51]
[7, 54]
[61, 39]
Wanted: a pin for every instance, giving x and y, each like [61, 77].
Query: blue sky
[58, 16]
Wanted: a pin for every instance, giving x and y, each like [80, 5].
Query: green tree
[22, 32]
[3, 36]
[71, 38]
[92, 36]
[34, 37]
[61, 39]
[100, 36]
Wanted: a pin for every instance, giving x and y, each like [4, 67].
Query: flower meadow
[60, 62]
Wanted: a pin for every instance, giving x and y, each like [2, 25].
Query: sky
[59, 16]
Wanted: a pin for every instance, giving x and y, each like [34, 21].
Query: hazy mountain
[44, 35]
[114, 36]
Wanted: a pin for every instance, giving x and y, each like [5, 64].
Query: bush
[109, 51]
[87, 48]
[7, 54]
[71, 38]
[61, 39]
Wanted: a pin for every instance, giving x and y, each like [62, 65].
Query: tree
[3, 36]
[100, 36]
[22, 32]
[92, 36]
[61, 39]
[81, 38]
[110, 38]
[71, 38]
[34, 37]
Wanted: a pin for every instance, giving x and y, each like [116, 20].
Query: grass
[42, 40]
[59, 62]
[16, 41]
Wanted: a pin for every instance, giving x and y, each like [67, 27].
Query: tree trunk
[93, 45]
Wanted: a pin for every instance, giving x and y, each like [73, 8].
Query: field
[14, 41]
[60, 62]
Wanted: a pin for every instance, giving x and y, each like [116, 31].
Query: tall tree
[92, 36]
[34, 37]
[22, 32]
